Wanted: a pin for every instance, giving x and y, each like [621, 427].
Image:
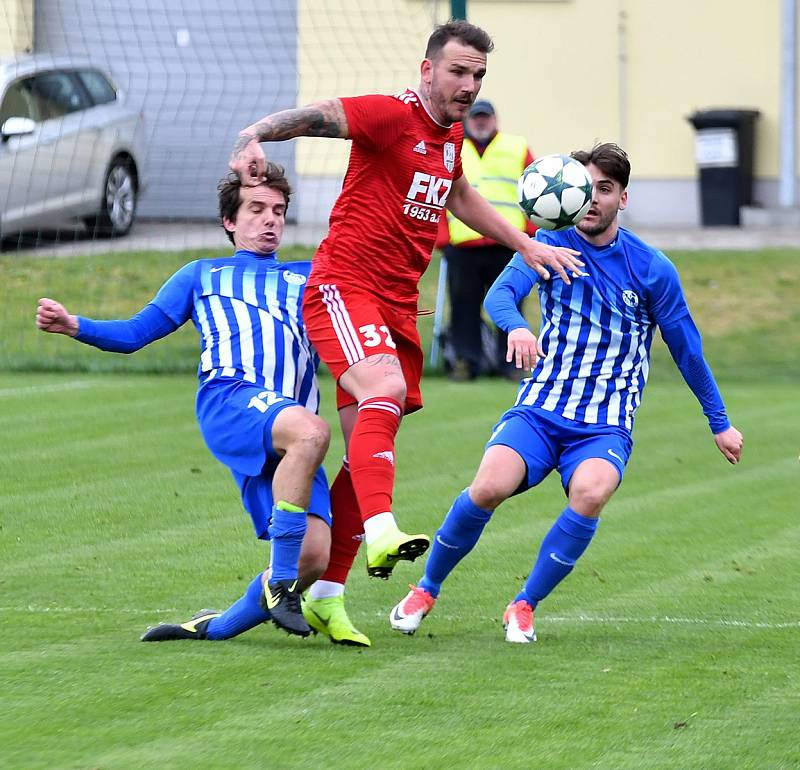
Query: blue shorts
[547, 441]
[236, 421]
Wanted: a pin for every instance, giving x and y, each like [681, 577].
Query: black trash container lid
[723, 118]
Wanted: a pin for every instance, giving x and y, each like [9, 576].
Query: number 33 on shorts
[375, 335]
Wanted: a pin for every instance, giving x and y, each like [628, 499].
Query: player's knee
[588, 499]
[310, 439]
[487, 493]
[392, 387]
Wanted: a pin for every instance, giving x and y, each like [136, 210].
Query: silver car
[69, 148]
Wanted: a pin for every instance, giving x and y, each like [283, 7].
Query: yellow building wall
[565, 73]
[16, 26]
[687, 55]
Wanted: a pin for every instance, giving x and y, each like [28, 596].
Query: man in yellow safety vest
[493, 161]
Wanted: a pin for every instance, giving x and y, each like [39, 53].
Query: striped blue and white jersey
[247, 309]
[596, 332]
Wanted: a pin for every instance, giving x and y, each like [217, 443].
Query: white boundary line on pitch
[32, 609]
[54, 388]
[656, 619]
[719, 622]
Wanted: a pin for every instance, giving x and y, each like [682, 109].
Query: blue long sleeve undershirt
[682, 339]
[126, 336]
[502, 301]
[686, 348]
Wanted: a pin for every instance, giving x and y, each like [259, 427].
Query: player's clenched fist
[248, 160]
[730, 443]
[52, 316]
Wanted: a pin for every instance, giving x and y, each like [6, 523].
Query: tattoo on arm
[320, 119]
[241, 143]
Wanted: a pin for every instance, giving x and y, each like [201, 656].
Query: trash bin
[724, 146]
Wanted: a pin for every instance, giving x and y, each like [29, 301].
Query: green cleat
[392, 547]
[195, 628]
[329, 617]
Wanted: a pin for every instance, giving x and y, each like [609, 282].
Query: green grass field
[673, 644]
[744, 302]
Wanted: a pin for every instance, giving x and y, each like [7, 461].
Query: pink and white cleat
[518, 623]
[407, 615]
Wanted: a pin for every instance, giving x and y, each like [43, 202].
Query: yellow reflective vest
[494, 175]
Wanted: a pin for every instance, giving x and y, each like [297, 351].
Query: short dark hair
[230, 199]
[610, 158]
[464, 32]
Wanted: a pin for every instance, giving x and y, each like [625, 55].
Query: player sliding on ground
[256, 403]
[575, 412]
[361, 304]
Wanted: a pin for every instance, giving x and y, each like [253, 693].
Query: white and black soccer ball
[555, 192]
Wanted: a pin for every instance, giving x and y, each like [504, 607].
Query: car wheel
[118, 210]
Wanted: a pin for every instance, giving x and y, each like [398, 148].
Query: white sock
[325, 589]
[376, 525]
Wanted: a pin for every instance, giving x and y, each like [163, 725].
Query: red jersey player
[361, 302]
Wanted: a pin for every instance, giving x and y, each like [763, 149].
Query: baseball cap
[481, 107]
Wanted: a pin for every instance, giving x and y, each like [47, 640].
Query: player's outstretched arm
[52, 317]
[730, 443]
[118, 336]
[470, 207]
[326, 118]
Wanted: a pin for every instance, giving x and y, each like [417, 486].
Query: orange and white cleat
[518, 622]
[407, 615]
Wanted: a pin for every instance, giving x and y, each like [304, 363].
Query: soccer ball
[555, 192]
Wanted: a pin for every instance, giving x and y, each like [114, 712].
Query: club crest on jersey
[296, 279]
[449, 156]
[630, 298]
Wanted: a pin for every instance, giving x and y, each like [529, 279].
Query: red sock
[371, 454]
[347, 528]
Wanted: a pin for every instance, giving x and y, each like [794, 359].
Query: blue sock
[286, 530]
[562, 546]
[241, 616]
[456, 537]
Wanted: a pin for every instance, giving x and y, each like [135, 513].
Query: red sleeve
[374, 121]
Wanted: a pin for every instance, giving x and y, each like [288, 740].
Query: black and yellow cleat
[195, 628]
[282, 600]
[391, 547]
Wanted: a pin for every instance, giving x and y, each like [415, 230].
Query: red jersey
[384, 223]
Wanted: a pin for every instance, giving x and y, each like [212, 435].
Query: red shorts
[346, 324]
